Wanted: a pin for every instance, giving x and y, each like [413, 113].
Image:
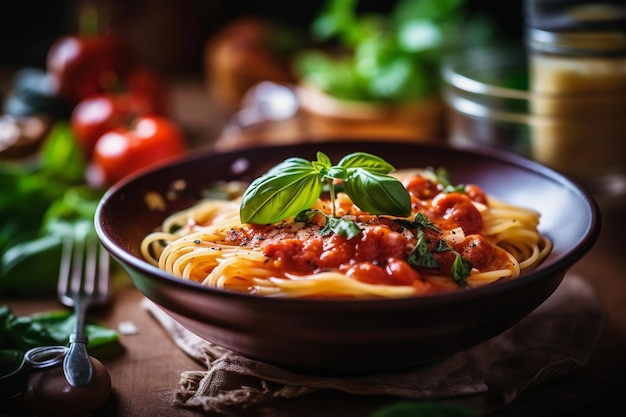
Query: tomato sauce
[380, 253]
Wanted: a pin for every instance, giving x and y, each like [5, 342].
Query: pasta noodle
[208, 244]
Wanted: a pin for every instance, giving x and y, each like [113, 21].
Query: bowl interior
[568, 213]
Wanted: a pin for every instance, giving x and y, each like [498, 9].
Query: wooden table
[145, 375]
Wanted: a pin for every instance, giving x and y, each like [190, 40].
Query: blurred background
[223, 46]
[170, 34]
[336, 69]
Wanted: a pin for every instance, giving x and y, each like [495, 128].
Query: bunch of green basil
[41, 202]
[380, 57]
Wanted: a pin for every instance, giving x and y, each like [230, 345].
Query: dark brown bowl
[357, 336]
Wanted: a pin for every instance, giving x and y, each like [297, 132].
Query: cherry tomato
[125, 150]
[87, 64]
[96, 115]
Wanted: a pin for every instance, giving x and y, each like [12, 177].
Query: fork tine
[64, 270]
[84, 269]
[91, 266]
[78, 272]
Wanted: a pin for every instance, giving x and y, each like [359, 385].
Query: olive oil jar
[577, 82]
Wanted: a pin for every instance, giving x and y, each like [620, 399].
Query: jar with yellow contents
[577, 72]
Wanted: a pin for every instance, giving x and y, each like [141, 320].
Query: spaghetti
[390, 257]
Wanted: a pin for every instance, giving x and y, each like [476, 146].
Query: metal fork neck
[78, 338]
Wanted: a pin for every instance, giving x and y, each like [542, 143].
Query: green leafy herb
[47, 329]
[461, 267]
[41, 203]
[442, 177]
[285, 190]
[296, 183]
[420, 222]
[386, 57]
[422, 256]
[339, 226]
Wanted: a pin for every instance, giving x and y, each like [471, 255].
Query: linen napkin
[554, 341]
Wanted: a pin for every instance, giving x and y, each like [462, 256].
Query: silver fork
[83, 282]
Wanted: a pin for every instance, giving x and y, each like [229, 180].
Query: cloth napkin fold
[554, 341]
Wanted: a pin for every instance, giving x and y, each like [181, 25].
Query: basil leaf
[440, 175]
[442, 246]
[449, 189]
[62, 155]
[341, 227]
[371, 163]
[295, 184]
[420, 256]
[337, 173]
[337, 225]
[377, 193]
[443, 178]
[284, 191]
[461, 269]
[323, 162]
[305, 216]
[46, 329]
[420, 222]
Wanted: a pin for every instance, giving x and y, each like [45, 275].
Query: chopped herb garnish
[337, 225]
[443, 178]
[461, 267]
[422, 257]
[420, 222]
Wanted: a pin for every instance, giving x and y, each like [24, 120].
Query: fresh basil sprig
[296, 183]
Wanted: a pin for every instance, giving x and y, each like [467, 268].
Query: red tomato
[122, 151]
[86, 65]
[95, 116]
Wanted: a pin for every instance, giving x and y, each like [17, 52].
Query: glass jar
[577, 78]
[486, 92]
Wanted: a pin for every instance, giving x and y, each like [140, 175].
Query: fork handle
[77, 364]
